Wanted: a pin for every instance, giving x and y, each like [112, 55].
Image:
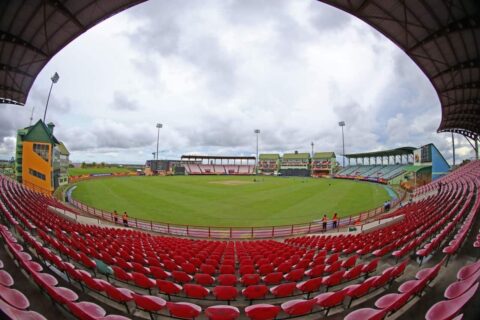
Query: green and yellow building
[41, 161]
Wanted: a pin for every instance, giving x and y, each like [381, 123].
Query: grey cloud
[123, 102]
[327, 18]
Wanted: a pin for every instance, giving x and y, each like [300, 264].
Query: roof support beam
[63, 10]
[468, 22]
[7, 37]
[469, 64]
[8, 68]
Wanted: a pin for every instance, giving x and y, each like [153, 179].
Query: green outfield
[81, 171]
[230, 201]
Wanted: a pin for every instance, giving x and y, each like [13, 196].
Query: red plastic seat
[14, 313]
[181, 277]
[283, 290]
[412, 286]
[188, 267]
[47, 279]
[94, 284]
[350, 262]
[265, 269]
[329, 300]
[121, 274]
[457, 288]
[273, 278]
[371, 266]
[246, 269]
[14, 298]
[195, 291]
[86, 310]
[159, 273]
[311, 285]
[62, 295]
[392, 301]
[295, 275]
[204, 279]
[298, 307]
[284, 267]
[6, 279]
[149, 303]
[255, 292]
[208, 269]
[184, 310]
[227, 269]
[430, 273]
[262, 311]
[143, 281]
[121, 295]
[366, 314]
[333, 279]
[316, 271]
[333, 267]
[354, 272]
[250, 279]
[222, 313]
[381, 280]
[33, 266]
[169, 288]
[227, 293]
[398, 269]
[227, 279]
[449, 308]
[468, 270]
[355, 291]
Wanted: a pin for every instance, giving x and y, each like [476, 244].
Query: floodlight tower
[257, 132]
[159, 126]
[54, 79]
[312, 144]
[342, 124]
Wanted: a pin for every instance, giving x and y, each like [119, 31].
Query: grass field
[80, 171]
[230, 201]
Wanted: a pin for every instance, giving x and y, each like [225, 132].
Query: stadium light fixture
[312, 144]
[159, 126]
[257, 132]
[342, 124]
[54, 79]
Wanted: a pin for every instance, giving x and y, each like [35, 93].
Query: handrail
[212, 232]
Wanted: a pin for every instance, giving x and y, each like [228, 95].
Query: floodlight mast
[312, 144]
[54, 79]
[257, 132]
[159, 126]
[342, 124]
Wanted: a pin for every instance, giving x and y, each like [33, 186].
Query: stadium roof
[324, 155]
[32, 32]
[297, 155]
[442, 38]
[385, 153]
[269, 156]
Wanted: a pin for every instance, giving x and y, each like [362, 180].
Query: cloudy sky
[212, 71]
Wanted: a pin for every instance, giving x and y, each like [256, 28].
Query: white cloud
[213, 71]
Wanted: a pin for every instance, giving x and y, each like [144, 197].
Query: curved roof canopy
[443, 38]
[385, 153]
[33, 31]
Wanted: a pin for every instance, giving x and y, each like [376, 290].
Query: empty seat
[149, 303]
[283, 290]
[222, 313]
[298, 307]
[329, 300]
[86, 310]
[255, 292]
[168, 287]
[262, 311]
[227, 293]
[366, 314]
[14, 298]
[273, 278]
[227, 279]
[6, 279]
[449, 308]
[184, 310]
[457, 288]
[195, 291]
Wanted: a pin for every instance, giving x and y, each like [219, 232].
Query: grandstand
[268, 164]
[323, 164]
[295, 164]
[395, 166]
[218, 165]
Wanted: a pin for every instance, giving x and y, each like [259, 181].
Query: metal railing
[212, 232]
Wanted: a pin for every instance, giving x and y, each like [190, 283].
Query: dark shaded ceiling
[443, 38]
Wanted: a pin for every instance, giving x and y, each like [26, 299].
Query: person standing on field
[125, 219]
[335, 219]
[324, 222]
[115, 216]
